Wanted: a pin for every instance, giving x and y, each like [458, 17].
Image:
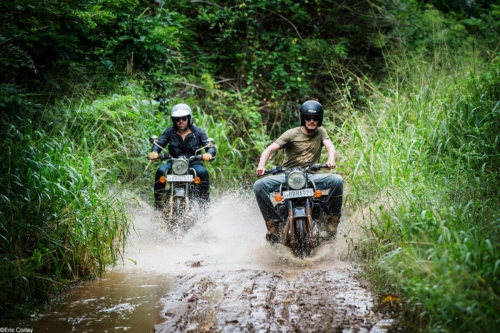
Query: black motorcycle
[300, 206]
[181, 188]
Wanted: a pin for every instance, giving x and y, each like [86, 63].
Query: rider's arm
[162, 142]
[265, 157]
[331, 153]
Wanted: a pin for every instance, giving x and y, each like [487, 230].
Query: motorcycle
[181, 187]
[300, 206]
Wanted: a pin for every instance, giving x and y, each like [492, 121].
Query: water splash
[230, 235]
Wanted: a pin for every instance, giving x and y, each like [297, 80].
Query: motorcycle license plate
[306, 192]
[179, 178]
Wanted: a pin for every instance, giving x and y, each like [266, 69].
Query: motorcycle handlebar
[196, 158]
[168, 157]
[318, 167]
[164, 157]
[277, 170]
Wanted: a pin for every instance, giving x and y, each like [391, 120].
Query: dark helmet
[182, 110]
[311, 108]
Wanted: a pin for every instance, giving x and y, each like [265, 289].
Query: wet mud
[260, 301]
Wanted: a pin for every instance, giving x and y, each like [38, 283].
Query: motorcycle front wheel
[175, 215]
[303, 249]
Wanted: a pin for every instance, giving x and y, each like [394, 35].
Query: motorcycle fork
[309, 231]
[291, 223]
[171, 203]
[186, 191]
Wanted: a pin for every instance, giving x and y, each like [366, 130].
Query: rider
[183, 139]
[302, 145]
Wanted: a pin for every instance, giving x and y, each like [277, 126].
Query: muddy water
[119, 302]
[220, 276]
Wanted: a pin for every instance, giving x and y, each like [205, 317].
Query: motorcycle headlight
[180, 166]
[296, 180]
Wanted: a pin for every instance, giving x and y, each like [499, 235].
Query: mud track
[229, 279]
[258, 301]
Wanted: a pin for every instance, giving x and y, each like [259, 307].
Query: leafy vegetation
[411, 90]
[424, 168]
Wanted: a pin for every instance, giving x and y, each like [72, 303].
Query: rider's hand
[206, 157]
[331, 165]
[153, 155]
[260, 171]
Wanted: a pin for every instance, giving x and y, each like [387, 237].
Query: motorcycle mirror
[209, 145]
[153, 139]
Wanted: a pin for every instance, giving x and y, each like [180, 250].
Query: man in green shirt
[301, 145]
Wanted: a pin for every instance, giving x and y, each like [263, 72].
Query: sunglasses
[311, 118]
[181, 119]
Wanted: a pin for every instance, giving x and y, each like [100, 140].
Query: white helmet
[182, 110]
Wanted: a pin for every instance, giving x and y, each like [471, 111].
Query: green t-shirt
[300, 148]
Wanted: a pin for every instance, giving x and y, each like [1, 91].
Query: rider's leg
[204, 190]
[159, 188]
[335, 184]
[262, 189]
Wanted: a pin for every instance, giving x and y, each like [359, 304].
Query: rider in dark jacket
[183, 139]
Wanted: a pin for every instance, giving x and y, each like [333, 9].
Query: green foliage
[42, 42]
[254, 63]
[462, 7]
[276, 48]
[233, 161]
[428, 25]
[475, 123]
[426, 164]
[60, 219]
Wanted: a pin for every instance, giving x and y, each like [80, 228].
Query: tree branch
[213, 4]
[284, 18]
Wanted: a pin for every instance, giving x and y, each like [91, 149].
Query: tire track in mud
[258, 301]
[229, 279]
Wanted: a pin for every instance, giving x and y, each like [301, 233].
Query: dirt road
[260, 301]
[228, 279]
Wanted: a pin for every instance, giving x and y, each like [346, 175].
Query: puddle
[122, 301]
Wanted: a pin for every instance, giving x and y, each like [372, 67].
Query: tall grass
[63, 216]
[233, 162]
[423, 165]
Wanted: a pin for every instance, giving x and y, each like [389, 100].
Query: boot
[204, 197]
[332, 225]
[272, 235]
[158, 200]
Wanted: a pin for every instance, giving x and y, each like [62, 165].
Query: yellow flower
[390, 300]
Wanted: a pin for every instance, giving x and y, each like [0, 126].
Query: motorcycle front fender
[299, 212]
[179, 192]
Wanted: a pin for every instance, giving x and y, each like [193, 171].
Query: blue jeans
[201, 172]
[264, 186]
